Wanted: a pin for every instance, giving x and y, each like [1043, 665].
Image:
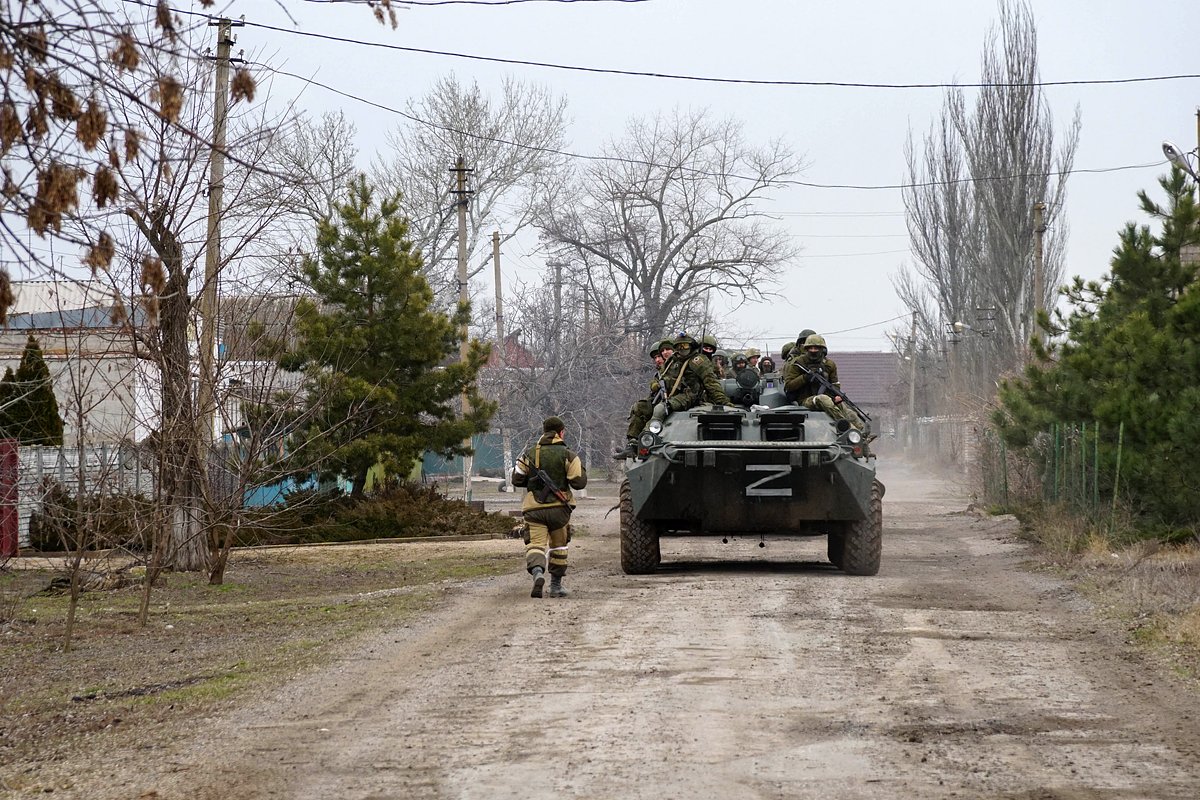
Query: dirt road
[737, 672]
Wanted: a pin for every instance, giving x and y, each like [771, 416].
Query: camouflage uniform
[643, 409]
[803, 389]
[740, 364]
[699, 383]
[548, 517]
[720, 362]
[639, 415]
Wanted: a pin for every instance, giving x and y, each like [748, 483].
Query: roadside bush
[103, 521]
[400, 511]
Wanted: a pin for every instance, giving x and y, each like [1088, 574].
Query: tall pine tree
[376, 351]
[1131, 356]
[30, 409]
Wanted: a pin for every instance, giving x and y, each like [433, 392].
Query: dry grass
[280, 611]
[1062, 538]
[1151, 587]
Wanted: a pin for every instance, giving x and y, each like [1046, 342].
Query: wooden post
[460, 191]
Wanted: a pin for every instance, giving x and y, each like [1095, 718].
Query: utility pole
[206, 391]
[463, 197]
[501, 347]
[912, 383]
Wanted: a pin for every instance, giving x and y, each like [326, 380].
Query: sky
[853, 241]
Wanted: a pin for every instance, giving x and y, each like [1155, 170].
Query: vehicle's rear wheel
[836, 547]
[864, 538]
[639, 540]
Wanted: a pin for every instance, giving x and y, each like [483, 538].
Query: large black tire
[836, 547]
[864, 538]
[639, 540]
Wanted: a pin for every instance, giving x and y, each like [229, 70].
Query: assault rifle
[549, 489]
[660, 396]
[818, 377]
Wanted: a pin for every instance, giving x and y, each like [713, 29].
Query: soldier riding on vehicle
[641, 411]
[810, 379]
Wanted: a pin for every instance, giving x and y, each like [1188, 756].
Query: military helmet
[665, 344]
[710, 341]
[802, 337]
[815, 341]
[787, 350]
[740, 357]
[722, 354]
[751, 352]
[685, 344]
[656, 351]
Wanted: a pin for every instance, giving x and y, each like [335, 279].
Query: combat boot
[539, 580]
[556, 587]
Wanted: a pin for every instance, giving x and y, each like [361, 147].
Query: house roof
[515, 354]
[869, 378]
[94, 317]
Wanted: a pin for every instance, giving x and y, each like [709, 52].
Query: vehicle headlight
[854, 437]
[647, 440]
[655, 426]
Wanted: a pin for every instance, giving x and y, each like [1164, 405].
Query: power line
[871, 324]
[956, 181]
[839, 213]
[852, 255]
[704, 78]
[849, 235]
[641, 162]
[697, 78]
[843, 330]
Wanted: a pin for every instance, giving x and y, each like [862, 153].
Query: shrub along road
[734, 672]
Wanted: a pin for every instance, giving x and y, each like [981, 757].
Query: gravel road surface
[735, 672]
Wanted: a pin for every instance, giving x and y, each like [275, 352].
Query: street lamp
[1180, 159]
[1189, 254]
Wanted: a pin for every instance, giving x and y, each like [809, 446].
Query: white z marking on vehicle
[777, 471]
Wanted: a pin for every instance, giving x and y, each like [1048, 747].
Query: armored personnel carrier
[758, 468]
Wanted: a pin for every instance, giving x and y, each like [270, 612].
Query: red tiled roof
[515, 354]
[869, 378]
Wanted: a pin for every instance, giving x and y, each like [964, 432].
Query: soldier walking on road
[548, 471]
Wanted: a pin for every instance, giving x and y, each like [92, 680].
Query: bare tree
[67, 72]
[982, 167]
[671, 215]
[583, 368]
[306, 170]
[156, 232]
[510, 144]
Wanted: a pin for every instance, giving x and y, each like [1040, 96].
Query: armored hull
[763, 468]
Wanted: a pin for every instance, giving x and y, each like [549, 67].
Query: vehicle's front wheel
[836, 547]
[864, 538]
[639, 540]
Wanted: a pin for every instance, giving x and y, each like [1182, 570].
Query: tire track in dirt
[733, 672]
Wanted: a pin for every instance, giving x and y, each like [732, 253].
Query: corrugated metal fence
[107, 468]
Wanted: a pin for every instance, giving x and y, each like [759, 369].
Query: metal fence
[106, 468]
[1063, 467]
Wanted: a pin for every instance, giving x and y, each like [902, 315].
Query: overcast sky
[854, 241]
